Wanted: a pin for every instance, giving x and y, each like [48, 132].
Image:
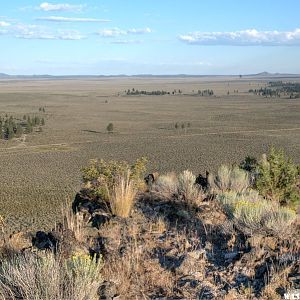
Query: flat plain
[40, 171]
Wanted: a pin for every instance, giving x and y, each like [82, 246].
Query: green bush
[277, 178]
[100, 176]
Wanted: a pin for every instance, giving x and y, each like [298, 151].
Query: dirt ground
[39, 171]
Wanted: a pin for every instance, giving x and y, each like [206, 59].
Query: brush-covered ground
[40, 170]
[229, 235]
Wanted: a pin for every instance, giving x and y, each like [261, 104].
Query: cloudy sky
[149, 36]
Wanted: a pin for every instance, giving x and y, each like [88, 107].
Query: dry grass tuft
[122, 197]
[74, 222]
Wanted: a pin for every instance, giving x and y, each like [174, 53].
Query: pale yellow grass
[123, 196]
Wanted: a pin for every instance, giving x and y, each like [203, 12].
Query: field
[39, 171]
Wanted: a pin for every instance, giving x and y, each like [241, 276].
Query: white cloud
[4, 24]
[249, 37]
[65, 19]
[45, 6]
[139, 31]
[25, 31]
[116, 32]
[126, 42]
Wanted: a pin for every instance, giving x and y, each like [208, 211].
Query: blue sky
[149, 36]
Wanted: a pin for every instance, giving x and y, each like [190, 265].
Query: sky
[110, 37]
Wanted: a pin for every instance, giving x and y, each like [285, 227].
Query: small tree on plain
[110, 128]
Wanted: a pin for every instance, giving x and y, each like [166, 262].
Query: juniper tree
[110, 128]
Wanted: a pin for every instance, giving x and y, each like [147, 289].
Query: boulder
[108, 291]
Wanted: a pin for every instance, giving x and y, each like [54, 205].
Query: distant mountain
[267, 74]
[46, 76]
[2, 75]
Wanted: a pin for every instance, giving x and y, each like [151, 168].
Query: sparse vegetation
[134, 92]
[169, 239]
[206, 93]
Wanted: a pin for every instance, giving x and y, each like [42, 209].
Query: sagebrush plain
[41, 170]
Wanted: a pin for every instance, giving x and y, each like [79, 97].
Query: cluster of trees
[179, 91]
[266, 92]
[183, 126]
[279, 88]
[11, 127]
[137, 92]
[42, 109]
[291, 89]
[206, 92]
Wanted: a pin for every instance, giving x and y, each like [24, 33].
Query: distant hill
[267, 74]
[3, 75]
[46, 76]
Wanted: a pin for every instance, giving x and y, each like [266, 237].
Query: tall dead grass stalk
[123, 196]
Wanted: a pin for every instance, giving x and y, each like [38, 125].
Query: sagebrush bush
[278, 177]
[229, 178]
[188, 190]
[166, 186]
[48, 277]
[253, 214]
[100, 176]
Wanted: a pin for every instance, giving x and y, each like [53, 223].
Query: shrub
[29, 276]
[122, 196]
[110, 127]
[100, 176]
[277, 179]
[227, 179]
[187, 189]
[253, 214]
[166, 186]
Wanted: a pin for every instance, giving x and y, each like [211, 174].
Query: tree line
[11, 127]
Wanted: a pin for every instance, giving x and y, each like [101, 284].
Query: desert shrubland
[169, 239]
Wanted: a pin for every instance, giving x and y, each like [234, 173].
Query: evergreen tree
[19, 130]
[110, 128]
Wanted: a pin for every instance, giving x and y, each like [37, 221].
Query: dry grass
[137, 273]
[122, 197]
[74, 222]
